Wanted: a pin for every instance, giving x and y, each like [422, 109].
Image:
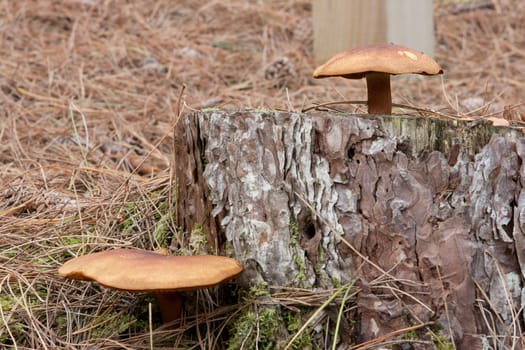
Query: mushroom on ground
[376, 63]
[145, 271]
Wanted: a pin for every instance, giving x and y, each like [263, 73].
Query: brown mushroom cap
[390, 58]
[145, 271]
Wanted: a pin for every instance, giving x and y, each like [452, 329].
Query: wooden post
[410, 23]
[342, 24]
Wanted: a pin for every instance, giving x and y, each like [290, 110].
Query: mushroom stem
[379, 96]
[170, 305]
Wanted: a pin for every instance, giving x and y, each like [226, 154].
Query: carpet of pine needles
[89, 93]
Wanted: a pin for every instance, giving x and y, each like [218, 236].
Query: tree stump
[426, 214]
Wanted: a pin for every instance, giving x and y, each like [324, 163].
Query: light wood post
[343, 24]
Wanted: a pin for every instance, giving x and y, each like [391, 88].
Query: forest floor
[89, 93]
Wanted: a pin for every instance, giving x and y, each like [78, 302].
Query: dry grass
[88, 96]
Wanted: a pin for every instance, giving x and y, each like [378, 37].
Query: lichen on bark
[428, 215]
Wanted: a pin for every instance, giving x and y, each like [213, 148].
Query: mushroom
[376, 63]
[145, 271]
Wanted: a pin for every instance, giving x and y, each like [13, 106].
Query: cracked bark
[438, 204]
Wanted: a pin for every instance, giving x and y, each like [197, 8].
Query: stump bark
[427, 215]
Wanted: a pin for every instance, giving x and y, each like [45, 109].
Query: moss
[256, 326]
[68, 241]
[9, 255]
[255, 329]
[263, 327]
[266, 326]
[110, 325]
[440, 342]
[15, 303]
[439, 138]
[198, 242]
[204, 160]
[139, 215]
[320, 255]
[7, 303]
[259, 290]
[194, 243]
[228, 248]
[293, 322]
[410, 335]
[322, 277]
[298, 260]
[163, 216]
[127, 222]
[336, 282]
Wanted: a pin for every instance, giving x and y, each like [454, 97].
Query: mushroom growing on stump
[376, 63]
[145, 271]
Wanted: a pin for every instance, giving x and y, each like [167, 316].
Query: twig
[376, 341]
